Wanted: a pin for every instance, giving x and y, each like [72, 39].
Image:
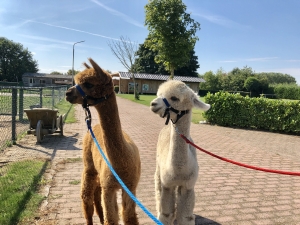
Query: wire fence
[13, 101]
[19, 171]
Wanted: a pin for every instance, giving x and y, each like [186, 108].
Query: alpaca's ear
[199, 104]
[86, 65]
[96, 66]
[98, 70]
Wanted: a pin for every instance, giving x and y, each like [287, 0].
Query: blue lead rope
[119, 179]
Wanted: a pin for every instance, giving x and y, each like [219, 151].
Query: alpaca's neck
[110, 122]
[178, 152]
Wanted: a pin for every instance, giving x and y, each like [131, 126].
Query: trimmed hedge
[234, 110]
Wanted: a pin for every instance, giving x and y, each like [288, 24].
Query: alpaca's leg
[110, 206]
[167, 214]
[128, 208]
[87, 195]
[157, 190]
[97, 202]
[185, 206]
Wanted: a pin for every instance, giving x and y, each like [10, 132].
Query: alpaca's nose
[68, 92]
[153, 104]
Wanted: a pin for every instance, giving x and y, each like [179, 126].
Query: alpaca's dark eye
[173, 98]
[88, 85]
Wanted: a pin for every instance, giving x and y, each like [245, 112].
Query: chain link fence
[20, 172]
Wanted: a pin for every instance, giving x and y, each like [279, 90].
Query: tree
[15, 61]
[171, 33]
[252, 84]
[145, 63]
[236, 78]
[211, 82]
[124, 49]
[278, 78]
[56, 72]
[75, 72]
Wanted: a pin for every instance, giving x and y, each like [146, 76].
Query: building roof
[45, 75]
[145, 76]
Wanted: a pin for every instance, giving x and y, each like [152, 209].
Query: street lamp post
[73, 62]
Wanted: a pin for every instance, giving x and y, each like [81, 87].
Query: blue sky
[262, 34]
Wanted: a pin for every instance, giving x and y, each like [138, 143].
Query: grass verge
[146, 99]
[65, 107]
[19, 185]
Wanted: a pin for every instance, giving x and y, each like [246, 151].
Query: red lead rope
[240, 164]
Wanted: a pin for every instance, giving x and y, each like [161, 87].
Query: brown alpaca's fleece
[99, 185]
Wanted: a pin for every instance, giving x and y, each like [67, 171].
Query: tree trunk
[172, 73]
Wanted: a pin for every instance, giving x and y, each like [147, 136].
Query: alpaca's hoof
[166, 219]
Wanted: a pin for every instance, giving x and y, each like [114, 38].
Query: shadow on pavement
[204, 221]
[199, 220]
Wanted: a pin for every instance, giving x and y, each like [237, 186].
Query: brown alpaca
[99, 186]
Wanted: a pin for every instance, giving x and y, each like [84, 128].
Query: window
[42, 81]
[145, 87]
[31, 81]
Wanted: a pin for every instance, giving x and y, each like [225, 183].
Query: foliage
[70, 72]
[287, 91]
[15, 61]
[172, 32]
[277, 78]
[145, 63]
[56, 72]
[211, 82]
[235, 80]
[252, 84]
[116, 89]
[235, 110]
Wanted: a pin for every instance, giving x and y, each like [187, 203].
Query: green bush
[287, 91]
[116, 89]
[235, 110]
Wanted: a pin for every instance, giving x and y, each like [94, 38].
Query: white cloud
[228, 61]
[44, 47]
[261, 59]
[46, 39]
[68, 28]
[119, 14]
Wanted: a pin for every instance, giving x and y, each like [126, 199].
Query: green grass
[66, 107]
[74, 182]
[146, 99]
[19, 183]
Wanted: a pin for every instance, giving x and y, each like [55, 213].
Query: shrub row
[287, 91]
[235, 110]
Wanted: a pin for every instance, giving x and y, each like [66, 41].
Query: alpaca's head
[179, 96]
[95, 83]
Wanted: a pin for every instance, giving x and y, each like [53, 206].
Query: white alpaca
[176, 161]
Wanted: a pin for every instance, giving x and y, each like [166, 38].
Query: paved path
[225, 193]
